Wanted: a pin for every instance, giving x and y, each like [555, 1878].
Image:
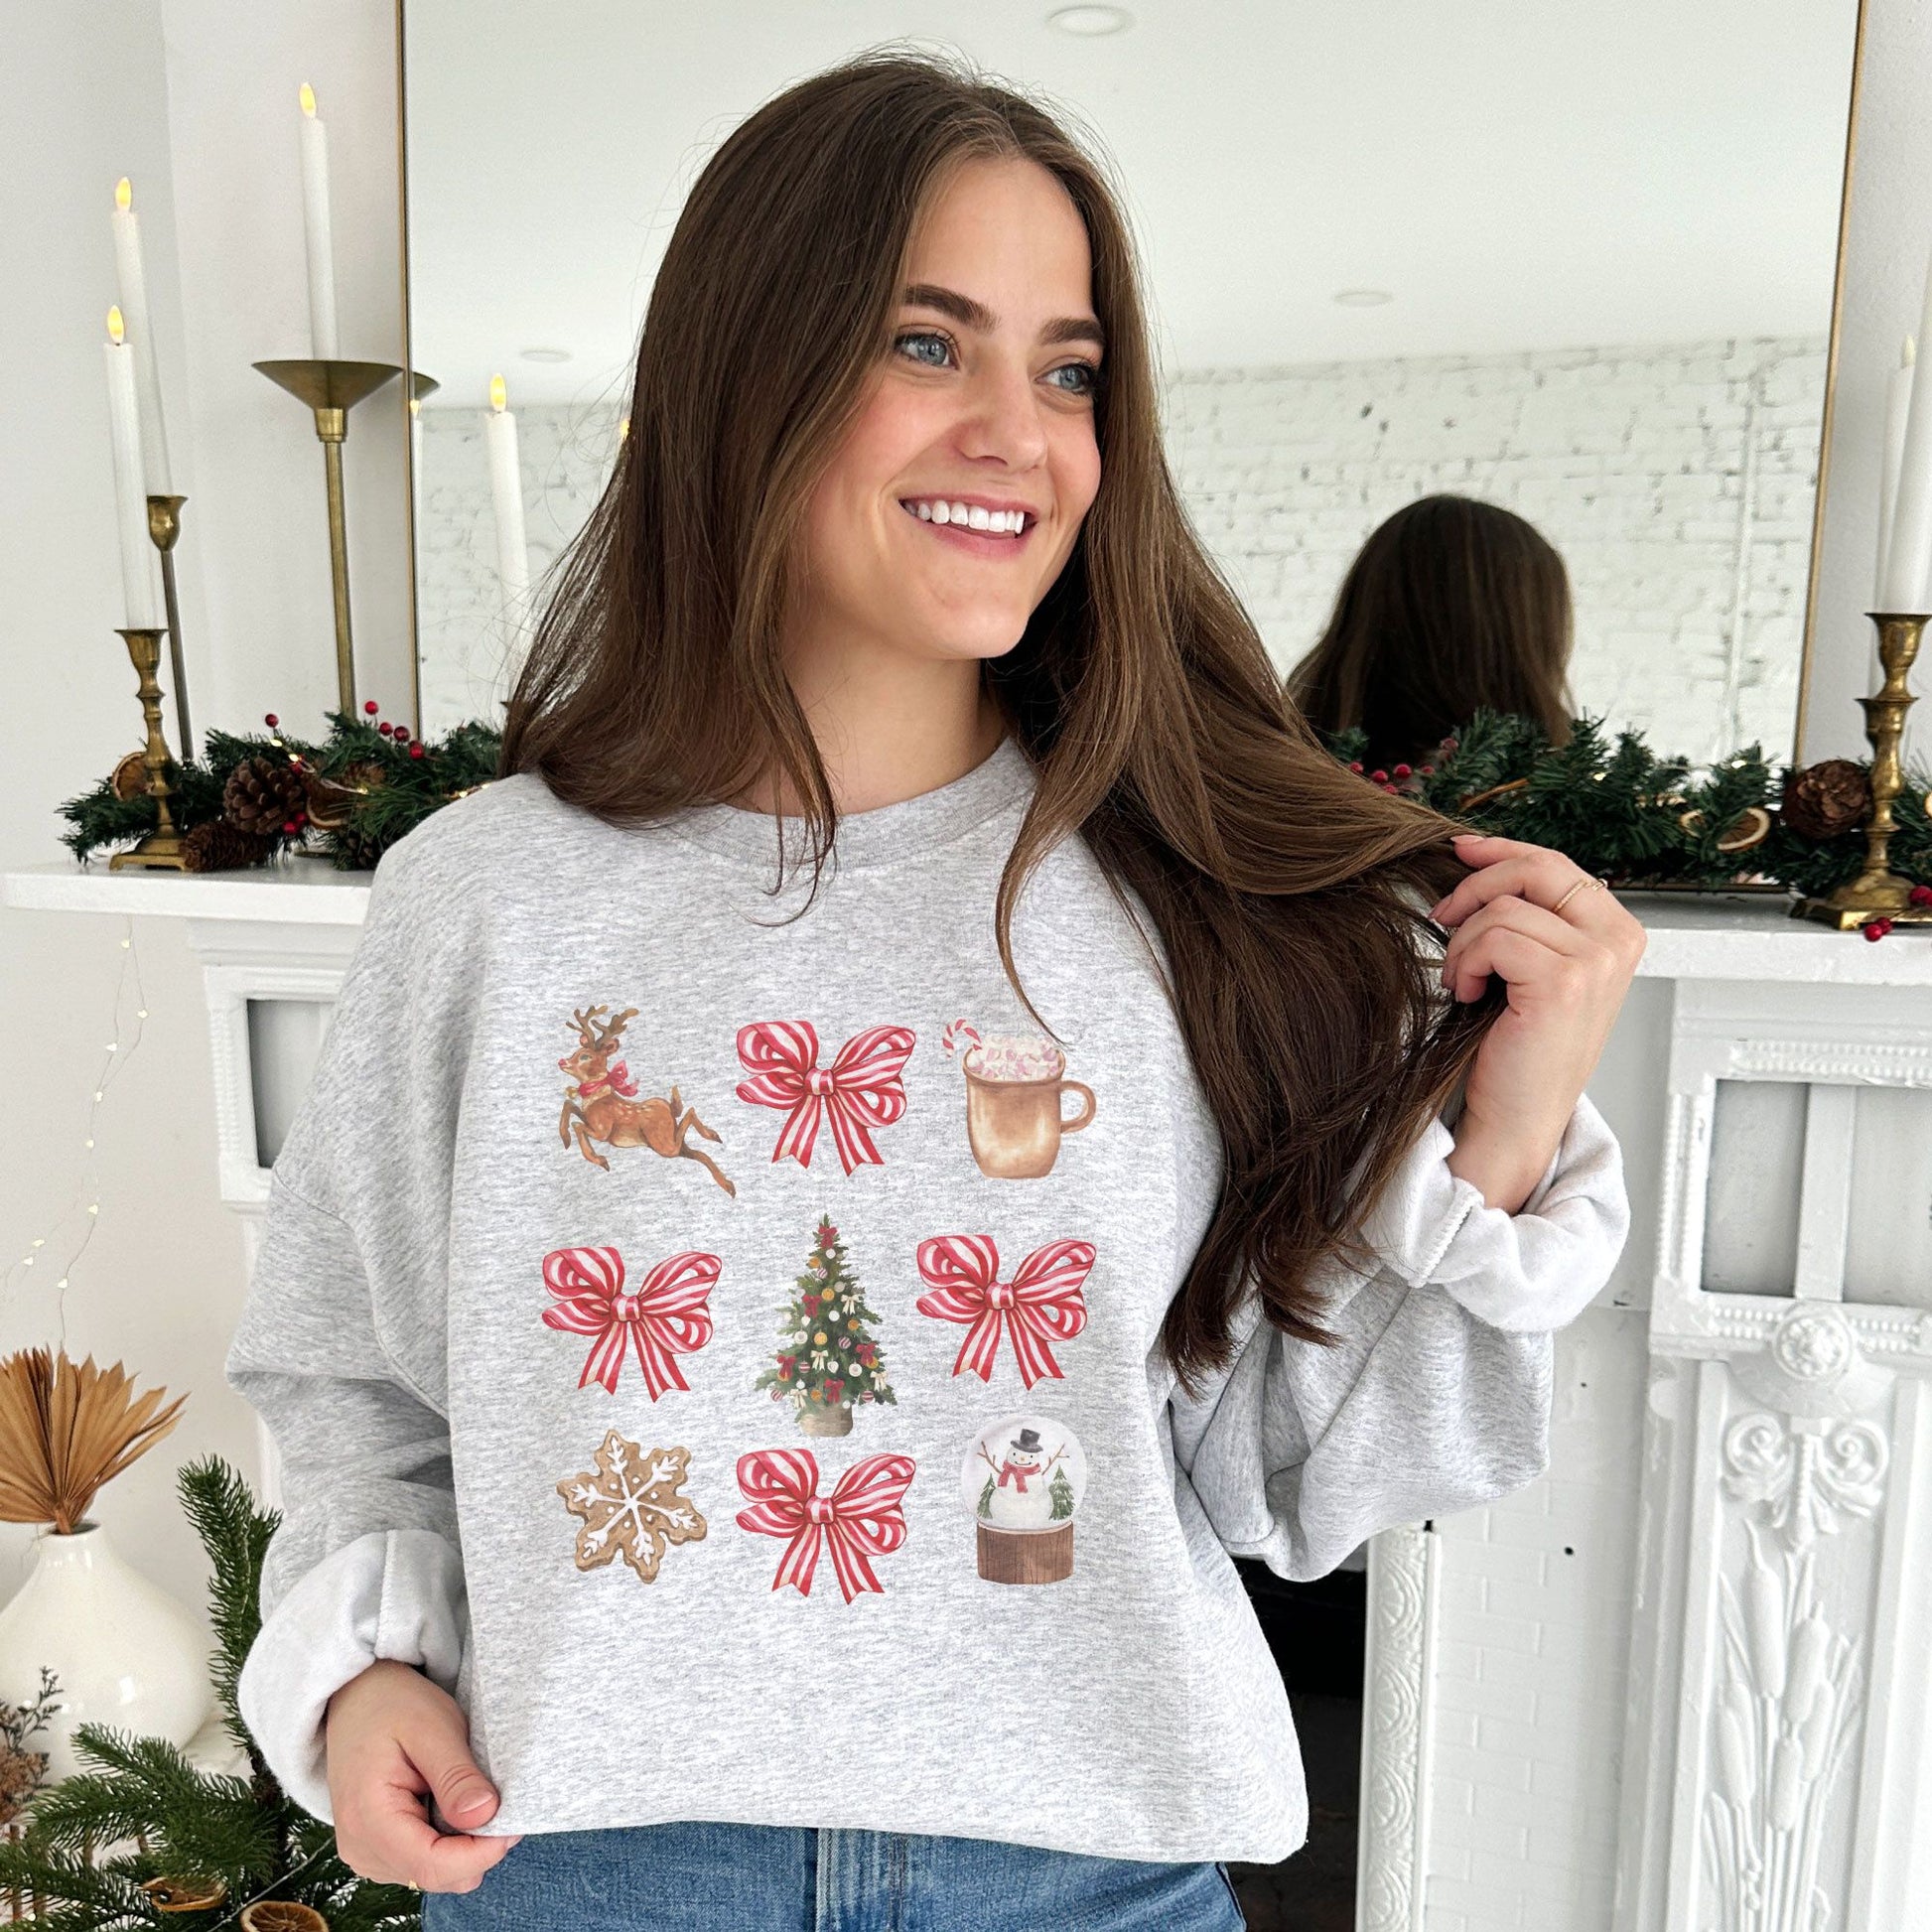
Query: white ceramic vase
[126, 1653]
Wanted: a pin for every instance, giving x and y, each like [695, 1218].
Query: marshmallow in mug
[1015, 1056]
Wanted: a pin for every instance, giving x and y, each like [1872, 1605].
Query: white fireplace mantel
[1783, 1462]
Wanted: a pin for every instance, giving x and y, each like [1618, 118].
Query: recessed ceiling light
[545, 355]
[1364, 298]
[1090, 22]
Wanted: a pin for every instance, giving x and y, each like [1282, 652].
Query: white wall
[1891, 229]
[194, 101]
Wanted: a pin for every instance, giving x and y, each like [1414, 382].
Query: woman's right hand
[392, 1738]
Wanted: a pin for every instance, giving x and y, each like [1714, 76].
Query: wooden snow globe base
[1026, 1556]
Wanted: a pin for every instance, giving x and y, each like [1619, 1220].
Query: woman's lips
[983, 543]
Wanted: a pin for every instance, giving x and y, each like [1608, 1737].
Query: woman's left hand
[1566, 952]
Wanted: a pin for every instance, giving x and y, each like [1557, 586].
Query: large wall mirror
[1578, 263]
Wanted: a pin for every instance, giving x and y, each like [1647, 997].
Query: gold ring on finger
[1586, 882]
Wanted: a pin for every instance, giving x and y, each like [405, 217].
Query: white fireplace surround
[1763, 1503]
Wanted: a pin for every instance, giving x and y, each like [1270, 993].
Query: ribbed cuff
[389, 1594]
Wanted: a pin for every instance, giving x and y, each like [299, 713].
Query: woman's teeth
[974, 516]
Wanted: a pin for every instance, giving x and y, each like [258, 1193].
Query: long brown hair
[1452, 604]
[1287, 891]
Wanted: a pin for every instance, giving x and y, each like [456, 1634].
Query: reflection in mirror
[1580, 266]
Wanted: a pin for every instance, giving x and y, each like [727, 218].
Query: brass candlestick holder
[164, 527]
[332, 387]
[1879, 892]
[162, 845]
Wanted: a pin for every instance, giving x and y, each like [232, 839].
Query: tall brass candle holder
[1879, 892]
[164, 527]
[332, 387]
[162, 845]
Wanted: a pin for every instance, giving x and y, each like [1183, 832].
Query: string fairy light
[115, 1056]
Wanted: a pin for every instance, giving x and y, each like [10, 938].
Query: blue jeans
[720, 1877]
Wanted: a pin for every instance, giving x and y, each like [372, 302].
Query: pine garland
[1637, 819]
[367, 785]
[242, 1836]
[1612, 803]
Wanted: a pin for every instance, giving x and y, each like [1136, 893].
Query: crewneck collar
[886, 832]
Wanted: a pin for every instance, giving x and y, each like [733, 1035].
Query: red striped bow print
[859, 1090]
[861, 1518]
[665, 1318]
[1043, 1301]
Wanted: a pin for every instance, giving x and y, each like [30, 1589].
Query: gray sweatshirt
[720, 1351]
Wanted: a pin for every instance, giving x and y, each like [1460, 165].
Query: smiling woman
[1288, 1274]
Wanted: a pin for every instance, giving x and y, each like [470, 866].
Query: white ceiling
[1518, 176]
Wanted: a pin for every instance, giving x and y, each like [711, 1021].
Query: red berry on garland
[1355, 765]
[385, 727]
[270, 720]
[288, 825]
[415, 750]
[1427, 771]
[1876, 928]
[371, 706]
[1402, 770]
[1380, 778]
[1920, 895]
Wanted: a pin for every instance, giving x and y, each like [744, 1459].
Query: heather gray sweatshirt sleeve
[340, 1343]
[1438, 1397]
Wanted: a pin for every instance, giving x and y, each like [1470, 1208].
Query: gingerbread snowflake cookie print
[854, 1096]
[603, 1106]
[1015, 1118]
[828, 1361]
[631, 1505]
[1023, 1480]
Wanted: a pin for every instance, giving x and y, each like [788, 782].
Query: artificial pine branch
[1637, 819]
[244, 1830]
[393, 782]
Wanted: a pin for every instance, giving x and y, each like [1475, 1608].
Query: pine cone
[1826, 798]
[216, 846]
[263, 794]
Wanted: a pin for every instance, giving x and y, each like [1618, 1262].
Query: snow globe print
[1023, 1480]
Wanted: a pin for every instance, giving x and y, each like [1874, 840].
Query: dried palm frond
[65, 1431]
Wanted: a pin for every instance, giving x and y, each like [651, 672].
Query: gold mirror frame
[1808, 634]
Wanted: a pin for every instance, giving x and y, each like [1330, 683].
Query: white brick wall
[1677, 480]
[1533, 1651]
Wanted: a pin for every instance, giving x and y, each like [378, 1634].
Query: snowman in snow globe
[1023, 1480]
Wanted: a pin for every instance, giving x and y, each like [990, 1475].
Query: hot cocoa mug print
[1016, 1114]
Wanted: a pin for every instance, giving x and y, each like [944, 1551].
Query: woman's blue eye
[921, 335]
[1090, 371]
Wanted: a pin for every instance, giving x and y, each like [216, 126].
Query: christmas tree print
[827, 1361]
[1060, 1490]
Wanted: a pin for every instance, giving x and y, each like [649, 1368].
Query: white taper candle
[1899, 398]
[324, 341]
[506, 497]
[139, 585]
[1908, 550]
[135, 316]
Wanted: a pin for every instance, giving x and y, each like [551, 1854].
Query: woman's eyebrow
[977, 316]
